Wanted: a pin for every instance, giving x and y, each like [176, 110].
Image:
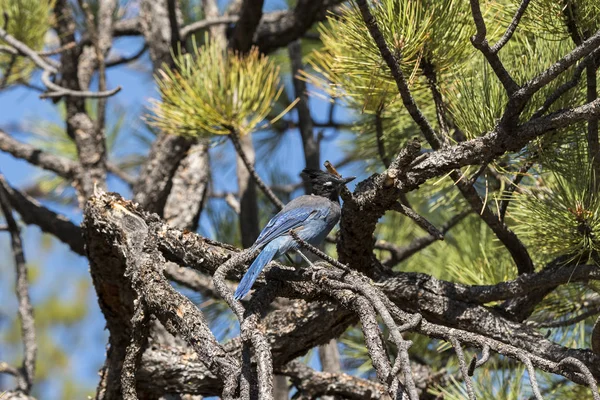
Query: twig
[480, 43]
[116, 170]
[375, 298]
[585, 371]
[63, 167]
[305, 121]
[402, 360]
[464, 370]
[58, 50]
[49, 70]
[380, 143]
[248, 325]
[511, 189]
[6, 368]
[440, 108]
[555, 324]
[266, 190]
[32, 212]
[472, 180]
[476, 363]
[421, 221]
[565, 87]
[399, 254]
[509, 239]
[22, 290]
[8, 71]
[531, 372]
[375, 346]
[560, 66]
[511, 28]
[206, 23]
[127, 59]
[59, 91]
[305, 245]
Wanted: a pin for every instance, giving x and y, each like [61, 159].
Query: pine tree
[466, 259]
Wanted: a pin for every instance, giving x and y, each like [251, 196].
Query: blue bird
[312, 217]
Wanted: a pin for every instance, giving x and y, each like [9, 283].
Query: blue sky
[59, 269]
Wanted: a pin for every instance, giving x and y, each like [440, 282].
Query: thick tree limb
[127, 240]
[474, 325]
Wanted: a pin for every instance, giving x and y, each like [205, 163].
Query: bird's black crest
[323, 183]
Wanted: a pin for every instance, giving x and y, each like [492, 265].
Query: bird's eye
[328, 184]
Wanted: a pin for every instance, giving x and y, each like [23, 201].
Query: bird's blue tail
[265, 256]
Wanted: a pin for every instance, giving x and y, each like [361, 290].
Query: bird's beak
[348, 179]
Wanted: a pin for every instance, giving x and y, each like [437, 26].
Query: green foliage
[564, 304]
[215, 92]
[476, 98]
[555, 17]
[28, 21]
[563, 218]
[350, 64]
[493, 382]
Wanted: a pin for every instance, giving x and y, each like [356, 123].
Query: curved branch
[233, 136]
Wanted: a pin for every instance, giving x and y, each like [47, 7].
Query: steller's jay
[312, 217]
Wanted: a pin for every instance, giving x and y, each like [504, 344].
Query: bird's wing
[287, 220]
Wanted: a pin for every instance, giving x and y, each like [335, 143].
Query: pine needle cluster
[27, 21]
[563, 217]
[212, 91]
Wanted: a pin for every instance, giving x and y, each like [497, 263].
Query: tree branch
[27, 371]
[33, 213]
[63, 167]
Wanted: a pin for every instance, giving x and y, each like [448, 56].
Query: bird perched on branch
[312, 217]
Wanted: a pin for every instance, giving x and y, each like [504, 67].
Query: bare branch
[399, 254]
[464, 370]
[64, 167]
[544, 78]
[421, 221]
[49, 70]
[233, 136]
[573, 362]
[531, 372]
[33, 213]
[22, 290]
[511, 28]
[480, 42]
[196, 26]
[565, 87]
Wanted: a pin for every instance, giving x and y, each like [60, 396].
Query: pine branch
[401, 83]
[511, 28]
[480, 43]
